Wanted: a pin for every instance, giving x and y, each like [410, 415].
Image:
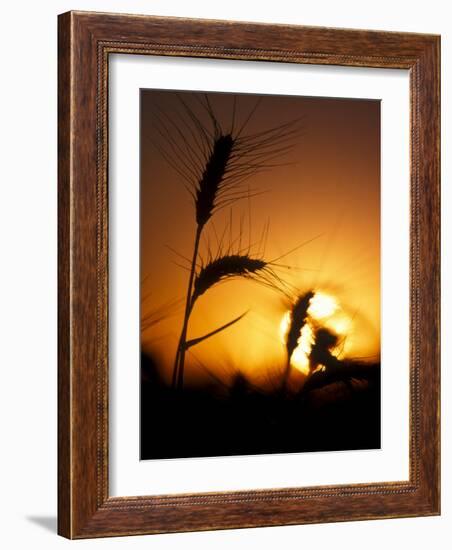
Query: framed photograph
[248, 275]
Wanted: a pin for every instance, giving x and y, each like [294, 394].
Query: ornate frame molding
[85, 42]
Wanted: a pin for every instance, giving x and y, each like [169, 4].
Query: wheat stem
[178, 372]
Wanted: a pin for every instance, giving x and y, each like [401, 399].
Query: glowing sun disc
[322, 305]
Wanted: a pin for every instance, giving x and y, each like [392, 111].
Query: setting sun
[322, 305]
[300, 357]
[324, 310]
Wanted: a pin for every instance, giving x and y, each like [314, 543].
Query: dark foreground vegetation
[338, 410]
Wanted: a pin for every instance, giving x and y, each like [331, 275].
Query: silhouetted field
[334, 412]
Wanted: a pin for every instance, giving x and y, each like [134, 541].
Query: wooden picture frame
[85, 508]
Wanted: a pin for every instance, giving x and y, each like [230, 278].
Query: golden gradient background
[328, 190]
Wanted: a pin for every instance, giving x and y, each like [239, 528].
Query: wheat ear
[205, 197]
[298, 317]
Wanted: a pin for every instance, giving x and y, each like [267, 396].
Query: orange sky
[330, 189]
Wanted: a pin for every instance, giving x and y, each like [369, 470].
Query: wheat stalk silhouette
[214, 162]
